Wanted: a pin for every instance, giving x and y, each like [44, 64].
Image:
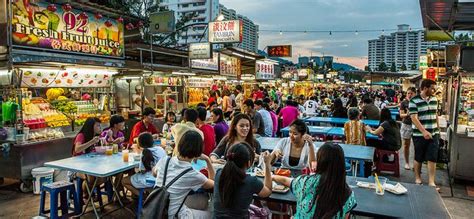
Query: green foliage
[403, 67]
[393, 68]
[382, 67]
[413, 67]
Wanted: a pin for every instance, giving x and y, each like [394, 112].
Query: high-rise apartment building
[250, 30]
[205, 11]
[403, 47]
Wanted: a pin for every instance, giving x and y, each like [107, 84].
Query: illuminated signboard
[225, 31]
[207, 64]
[61, 28]
[264, 70]
[200, 51]
[229, 66]
[279, 51]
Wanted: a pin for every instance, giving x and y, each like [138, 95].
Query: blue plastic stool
[141, 196]
[61, 188]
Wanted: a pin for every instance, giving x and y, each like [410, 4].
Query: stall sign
[207, 64]
[229, 66]
[61, 28]
[66, 78]
[264, 70]
[279, 51]
[320, 76]
[165, 81]
[200, 51]
[423, 62]
[225, 31]
[287, 75]
[430, 73]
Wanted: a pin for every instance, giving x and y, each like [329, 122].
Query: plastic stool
[141, 196]
[61, 188]
[392, 167]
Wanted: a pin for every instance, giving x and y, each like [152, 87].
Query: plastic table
[313, 130]
[421, 201]
[339, 132]
[98, 165]
[338, 121]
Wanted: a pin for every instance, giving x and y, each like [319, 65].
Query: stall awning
[448, 15]
[385, 83]
[164, 58]
[21, 57]
[382, 73]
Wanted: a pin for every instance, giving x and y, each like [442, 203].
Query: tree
[413, 66]
[367, 68]
[382, 67]
[393, 68]
[403, 67]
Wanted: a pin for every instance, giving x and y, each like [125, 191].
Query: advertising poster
[230, 66]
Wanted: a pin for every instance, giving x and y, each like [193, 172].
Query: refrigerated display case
[461, 132]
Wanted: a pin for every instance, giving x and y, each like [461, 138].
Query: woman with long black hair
[338, 110]
[389, 131]
[240, 131]
[234, 188]
[326, 193]
[87, 138]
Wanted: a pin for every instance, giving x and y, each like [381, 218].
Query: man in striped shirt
[423, 113]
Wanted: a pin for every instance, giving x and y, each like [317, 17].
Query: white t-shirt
[134, 98]
[311, 107]
[284, 145]
[239, 98]
[267, 122]
[193, 180]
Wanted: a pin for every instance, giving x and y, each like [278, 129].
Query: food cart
[61, 63]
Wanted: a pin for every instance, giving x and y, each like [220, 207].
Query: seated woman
[234, 188]
[149, 157]
[338, 110]
[190, 148]
[170, 122]
[114, 133]
[220, 126]
[85, 142]
[326, 193]
[389, 131]
[87, 138]
[296, 151]
[354, 129]
[240, 131]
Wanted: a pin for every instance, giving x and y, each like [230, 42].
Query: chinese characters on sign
[68, 30]
[264, 70]
[225, 31]
[229, 66]
[279, 51]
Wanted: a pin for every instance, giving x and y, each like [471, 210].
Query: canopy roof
[448, 15]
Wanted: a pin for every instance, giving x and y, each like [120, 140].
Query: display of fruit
[55, 119]
[65, 106]
[54, 93]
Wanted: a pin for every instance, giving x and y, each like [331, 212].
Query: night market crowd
[221, 133]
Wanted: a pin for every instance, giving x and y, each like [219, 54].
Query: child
[150, 156]
[170, 121]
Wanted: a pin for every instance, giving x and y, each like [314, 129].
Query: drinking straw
[378, 182]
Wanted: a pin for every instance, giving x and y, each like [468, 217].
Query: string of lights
[330, 32]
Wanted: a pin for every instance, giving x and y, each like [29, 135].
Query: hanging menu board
[65, 78]
[264, 70]
[229, 66]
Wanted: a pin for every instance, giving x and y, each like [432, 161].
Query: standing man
[311, 107]
[267, 118]
[423, 113]
[257, 120]
[406, 130]
[137, 99]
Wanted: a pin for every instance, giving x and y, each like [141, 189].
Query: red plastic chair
[387, 166]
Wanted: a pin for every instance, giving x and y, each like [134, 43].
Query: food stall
[199, 84]
[61, 63]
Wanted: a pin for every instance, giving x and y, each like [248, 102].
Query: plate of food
[280, 189]
[283, 172]
[259, 172]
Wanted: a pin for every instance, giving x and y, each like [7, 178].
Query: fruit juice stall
[200, 81]
[61, 60]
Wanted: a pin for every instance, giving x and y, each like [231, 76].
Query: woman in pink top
[289, 113]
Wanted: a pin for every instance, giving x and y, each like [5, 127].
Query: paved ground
[14, 204]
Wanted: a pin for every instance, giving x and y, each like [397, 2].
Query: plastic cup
[115, 148]
[125, 155]
[380, 190]
[163, 141]
[109, 150]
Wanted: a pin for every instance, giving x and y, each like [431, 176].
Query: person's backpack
[157, 203]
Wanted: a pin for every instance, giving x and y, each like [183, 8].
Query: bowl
[100, 149]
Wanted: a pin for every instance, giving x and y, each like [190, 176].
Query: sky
[327, 15]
